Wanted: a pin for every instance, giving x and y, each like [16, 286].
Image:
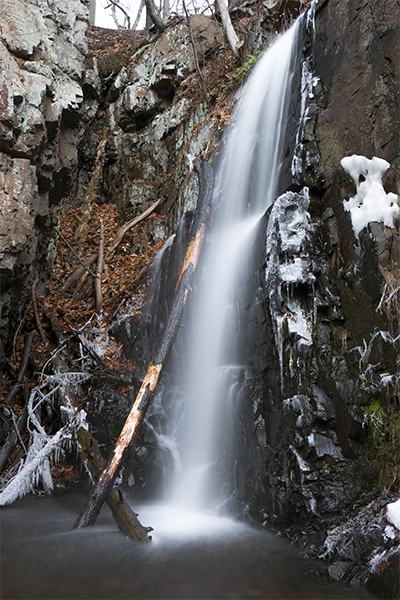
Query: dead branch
[22, 369]
[76, 275]
[12, 440]
[127, 226]
[122, 513]
[73, 252]
[36, 313]
[91, 192]
[99, 273]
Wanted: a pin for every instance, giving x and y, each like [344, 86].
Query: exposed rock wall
[43, 47]
[327, 302]
[154, 125]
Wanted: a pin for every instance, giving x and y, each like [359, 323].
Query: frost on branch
[371, 202]
[44, 449]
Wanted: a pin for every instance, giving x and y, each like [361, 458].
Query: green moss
[383, 441]
[112, 63]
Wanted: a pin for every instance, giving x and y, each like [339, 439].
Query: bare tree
[159, 15]
[154, 15]
[233, 39]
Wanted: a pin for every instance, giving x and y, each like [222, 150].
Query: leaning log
[123, 515]
[102, 489]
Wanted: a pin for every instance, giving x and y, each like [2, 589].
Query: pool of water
[191, 557]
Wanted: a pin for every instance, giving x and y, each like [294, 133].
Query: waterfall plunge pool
[191, 556]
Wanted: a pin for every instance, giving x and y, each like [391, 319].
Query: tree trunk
[233, 39]
[151, 12]
[104, 485]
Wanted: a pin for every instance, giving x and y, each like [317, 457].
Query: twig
[17, 430]
[203, 84]
[22, 369]
[74, 253]
[100, 267]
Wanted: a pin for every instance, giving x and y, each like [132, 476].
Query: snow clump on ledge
[371, 202]
[393, 513]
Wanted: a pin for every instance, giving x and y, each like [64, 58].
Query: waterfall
[201, 400]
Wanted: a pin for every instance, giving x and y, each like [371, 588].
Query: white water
[199, 434]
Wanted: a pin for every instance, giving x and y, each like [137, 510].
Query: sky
[104, 18]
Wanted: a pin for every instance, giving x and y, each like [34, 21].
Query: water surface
[190, 557]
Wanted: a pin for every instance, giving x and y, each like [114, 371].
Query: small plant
[242, 72]
[384, 438]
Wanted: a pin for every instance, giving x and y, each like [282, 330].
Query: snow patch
[393, 513]
[371, 202]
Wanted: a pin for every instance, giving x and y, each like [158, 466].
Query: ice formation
[371, 202]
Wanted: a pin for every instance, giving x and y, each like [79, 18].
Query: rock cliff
[43, 47]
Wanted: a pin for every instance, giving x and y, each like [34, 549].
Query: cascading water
[205, 394]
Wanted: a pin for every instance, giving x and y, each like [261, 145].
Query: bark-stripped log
[101, 490]
[123, 515]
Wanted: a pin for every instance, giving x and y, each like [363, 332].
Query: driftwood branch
[101, 490]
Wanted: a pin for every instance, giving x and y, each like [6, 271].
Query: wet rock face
[329, 301]
[42, 54]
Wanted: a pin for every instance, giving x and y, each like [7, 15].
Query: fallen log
[127, 226]
[122, 513]
[101, 490]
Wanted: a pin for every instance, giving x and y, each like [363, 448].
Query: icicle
[35, 469]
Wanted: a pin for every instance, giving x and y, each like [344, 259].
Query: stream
[191, 556]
